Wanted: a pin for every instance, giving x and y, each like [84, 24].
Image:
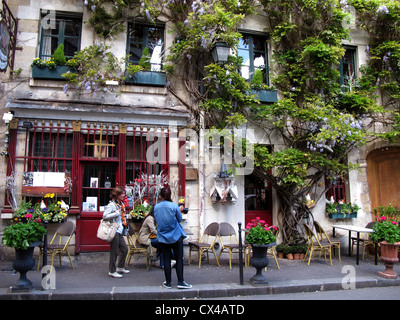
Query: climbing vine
[316, 121]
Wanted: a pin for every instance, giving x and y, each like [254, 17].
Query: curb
[202, 291]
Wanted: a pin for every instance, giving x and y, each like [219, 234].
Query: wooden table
[358, 230]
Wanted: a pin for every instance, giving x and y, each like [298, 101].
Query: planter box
[49, 74]
[152, 78]
[266, 95]
[339, 215]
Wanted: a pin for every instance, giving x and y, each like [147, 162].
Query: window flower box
[49, 74]
[152, 78]
[339, 215]
[342, 210]
[266, 95]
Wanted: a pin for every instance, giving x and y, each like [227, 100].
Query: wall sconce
[220, 52]
[7, 117]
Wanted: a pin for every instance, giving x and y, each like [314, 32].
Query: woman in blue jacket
[170, 236]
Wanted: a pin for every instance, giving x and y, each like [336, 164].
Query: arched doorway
[384, 177]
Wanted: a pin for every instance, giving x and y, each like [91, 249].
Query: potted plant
[342, 210]
[23, 236]
[140, 211]
[263, 92]
[289, 253]
[52, 210]
[53, 68]
[280, 249]
[387, 233]
[260, 236]
[142, 73]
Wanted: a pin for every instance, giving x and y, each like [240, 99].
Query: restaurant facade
[80, 146]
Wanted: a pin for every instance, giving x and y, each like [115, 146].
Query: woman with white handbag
[115, 210]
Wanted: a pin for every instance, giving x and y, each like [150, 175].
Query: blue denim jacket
[168, 218]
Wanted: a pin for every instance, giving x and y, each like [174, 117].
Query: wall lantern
[220, 52]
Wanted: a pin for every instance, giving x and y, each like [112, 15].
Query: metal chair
[64, 231]
[364, 239]
[212, 230]
[314, 244]
[323, 235]
[226, 230]
[135, 248]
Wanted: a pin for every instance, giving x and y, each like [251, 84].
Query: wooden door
[384, 177]
[98, 180]
[258, 199]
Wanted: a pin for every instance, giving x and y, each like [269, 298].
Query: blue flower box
[339, 215]
[266, 95]
[49, 74]
[151, 78]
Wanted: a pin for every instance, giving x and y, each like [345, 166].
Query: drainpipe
[202, 176]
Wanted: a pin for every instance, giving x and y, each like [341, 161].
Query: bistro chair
[364, 240]
[226, 230]
[64, 232]
[135, 247]
[322, 236]
[314, 244]
[206, 243]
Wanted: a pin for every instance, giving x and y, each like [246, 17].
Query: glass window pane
[71, 45]
[72, 28]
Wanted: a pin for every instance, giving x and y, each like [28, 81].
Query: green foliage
[390, 212]
[385, 230]
[259, 232]
[59, 56]
[22, 235]
[144, 61]
[94, 66]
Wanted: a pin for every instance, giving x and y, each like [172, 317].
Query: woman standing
[115, 210]
[170, 236]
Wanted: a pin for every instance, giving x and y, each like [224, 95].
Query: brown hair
[165, 193]
[116, 192]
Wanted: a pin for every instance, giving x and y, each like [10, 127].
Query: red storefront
[95, 155]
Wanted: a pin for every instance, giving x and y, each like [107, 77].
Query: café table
[358, 230]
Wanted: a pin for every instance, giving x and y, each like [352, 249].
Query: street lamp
[220, 52]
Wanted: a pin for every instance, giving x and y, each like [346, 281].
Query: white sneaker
[115, 275]
[122, 270]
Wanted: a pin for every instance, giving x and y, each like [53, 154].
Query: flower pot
[296, 256]
[259, 261]
[280, 255]
[153, 78]
[339, 215]
[22, 263]
[289, 256]
[266, 95]
[389, 255]
[49, 74]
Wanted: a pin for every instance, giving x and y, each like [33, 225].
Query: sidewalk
[90, 280]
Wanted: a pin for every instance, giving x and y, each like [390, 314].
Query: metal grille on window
[147, 162]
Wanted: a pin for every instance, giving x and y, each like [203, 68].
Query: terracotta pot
[289, 256]
[389, 255]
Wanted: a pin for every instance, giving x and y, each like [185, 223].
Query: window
[147, 160]
[338, 189]
[253, 50]
[66, 30]
[347, 69]
[141, 37]
[50, 151]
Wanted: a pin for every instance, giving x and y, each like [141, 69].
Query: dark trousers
[166, 249]
[117, 244]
